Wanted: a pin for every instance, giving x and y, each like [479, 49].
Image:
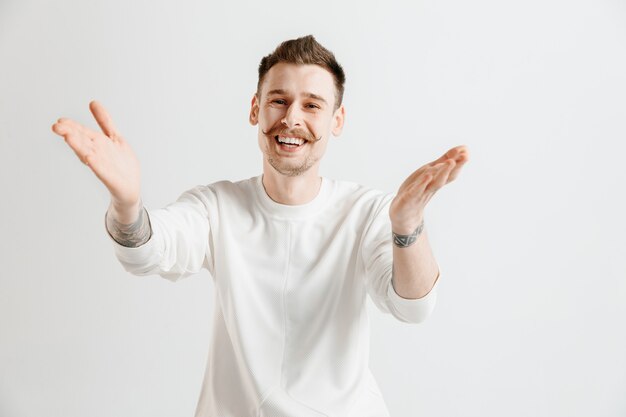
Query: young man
[292, 254]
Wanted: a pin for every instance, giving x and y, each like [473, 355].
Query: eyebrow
[307, 94]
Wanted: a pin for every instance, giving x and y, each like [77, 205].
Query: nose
[293, 117]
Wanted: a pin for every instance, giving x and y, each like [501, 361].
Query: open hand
[107, 154]
[407, 208]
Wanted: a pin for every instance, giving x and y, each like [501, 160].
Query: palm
[107, 154]
[407, 207]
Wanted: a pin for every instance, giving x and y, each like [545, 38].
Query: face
[296, 101]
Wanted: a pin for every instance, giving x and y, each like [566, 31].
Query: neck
[291, 191]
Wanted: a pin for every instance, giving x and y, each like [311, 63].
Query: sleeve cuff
[143, 254]
[413, 310]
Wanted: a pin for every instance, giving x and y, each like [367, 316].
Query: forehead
[297, 79]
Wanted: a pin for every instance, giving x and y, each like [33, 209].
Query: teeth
[294, 141]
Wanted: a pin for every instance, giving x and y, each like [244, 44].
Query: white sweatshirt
[290, 326]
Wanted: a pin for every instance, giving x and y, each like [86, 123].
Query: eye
[313, 106]
[279, 101]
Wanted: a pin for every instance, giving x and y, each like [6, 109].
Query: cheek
[263, 143]
[322, 128]
[270, 116]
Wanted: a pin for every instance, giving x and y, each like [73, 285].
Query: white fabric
[290, 326]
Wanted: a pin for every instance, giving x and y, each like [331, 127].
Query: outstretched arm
[111, 159]
[415, 270]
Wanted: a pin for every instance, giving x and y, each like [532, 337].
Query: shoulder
[354, 196]
[224, 187]
[358, 193]
[218, 190]
[231, 196]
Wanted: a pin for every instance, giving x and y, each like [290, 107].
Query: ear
[338, 119]
[254, 110]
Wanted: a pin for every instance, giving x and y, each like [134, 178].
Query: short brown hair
[304, 50]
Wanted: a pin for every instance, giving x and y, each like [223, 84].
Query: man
[292, 254]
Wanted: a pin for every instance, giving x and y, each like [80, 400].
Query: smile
[290, 140]
[289, 144]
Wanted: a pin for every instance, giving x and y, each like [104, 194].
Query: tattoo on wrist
[403, 241]
[130, 235]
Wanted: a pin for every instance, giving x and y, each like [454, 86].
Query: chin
[289, 170]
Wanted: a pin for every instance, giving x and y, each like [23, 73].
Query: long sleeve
[377, 255]
[180, 242]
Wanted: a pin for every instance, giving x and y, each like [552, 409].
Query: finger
[456, 171]
[419, 184]
[414, 194]
[74, 137]
[61, 126]
[416, 175]
[441, 175]
[104, 120]
[456, 152]
[81, 148]
[464, 152]
[452, 153]
[87, 134]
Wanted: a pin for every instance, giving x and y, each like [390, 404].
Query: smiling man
[280, 114]
[293, 254]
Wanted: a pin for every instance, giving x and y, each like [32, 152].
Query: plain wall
[531, 313]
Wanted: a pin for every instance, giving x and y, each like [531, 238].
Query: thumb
[104, 119]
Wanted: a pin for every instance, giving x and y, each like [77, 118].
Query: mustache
[298, 133]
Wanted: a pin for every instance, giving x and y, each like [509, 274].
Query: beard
[289, 166]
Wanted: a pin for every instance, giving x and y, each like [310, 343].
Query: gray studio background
[531, 313]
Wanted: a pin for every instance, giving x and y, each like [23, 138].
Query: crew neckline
[293, 211]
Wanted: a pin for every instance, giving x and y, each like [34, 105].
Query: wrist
[404, 240]
[125, 213]
[407, 227]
